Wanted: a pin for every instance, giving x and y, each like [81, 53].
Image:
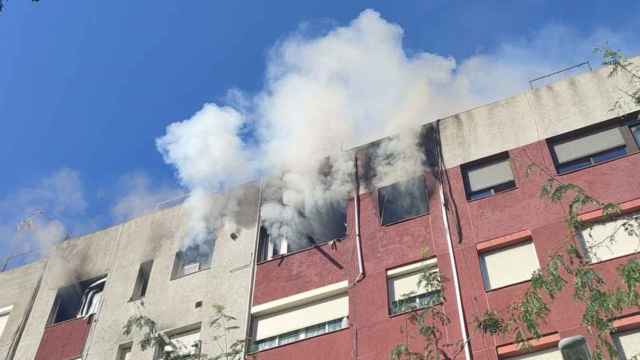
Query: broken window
[402, 200]
[196, 257]
[79, 300]
[142, 280]
[324, 225]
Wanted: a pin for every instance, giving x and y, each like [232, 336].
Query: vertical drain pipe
[254, 265]
[454, 271]
[356, 212]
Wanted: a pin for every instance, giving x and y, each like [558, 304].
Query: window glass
[628, 344]
[300, 322]
[487, 177]
[586, 149]
[509, 265]
[635, 130]
[402, 200]
[610, 239]
[412, 287]
[194, 258]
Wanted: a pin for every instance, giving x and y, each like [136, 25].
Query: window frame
[5, 312]
[615, 337]
[427, 210]
[503, 247]
[123, 349]
[171, 334]
[421, 266]
[493, 190]
[623, 124]
[177, 271]
[141, 285]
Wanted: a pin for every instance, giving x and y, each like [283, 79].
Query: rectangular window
[182, 344]
[78, 300]
[196, 257]
[508, 265]
[4, 318]
[610, 239]
[488, 176]
[592, 145]
[548, 354]
[628, 344]
[142, 280]
[300, 322]
[402, 200]
[413, 286]
[124, 352]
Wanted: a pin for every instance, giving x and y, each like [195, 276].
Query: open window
[488, 176]
[402, 200]
[595, 144]
[327, 224]
[79, 300]
[142, 280]
[194, 258]
[180, 344]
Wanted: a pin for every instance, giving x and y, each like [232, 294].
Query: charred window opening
[326, 225]
[402, 200]
[142, 280]
[196, 257]
[78, 300]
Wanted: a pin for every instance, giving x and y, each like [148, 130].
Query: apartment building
[472, 216]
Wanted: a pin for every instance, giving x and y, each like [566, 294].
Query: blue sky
[89, 86]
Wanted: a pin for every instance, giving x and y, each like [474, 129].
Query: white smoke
[329, 92]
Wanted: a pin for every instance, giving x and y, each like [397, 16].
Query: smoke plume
[325, 93]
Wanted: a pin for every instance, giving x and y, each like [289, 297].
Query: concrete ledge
[300, 298]
[503, 241]
[595, 215]
[627, 323]
[412, 267]
[544, 342]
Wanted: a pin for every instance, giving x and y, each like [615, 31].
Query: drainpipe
[454, 271]
[254, 265]
[356, 213]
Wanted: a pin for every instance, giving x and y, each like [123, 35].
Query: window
[593, 145]
[300, 322]
[402, 200]
[627, 343]
[610, 239]
[635, 131]
[196, 257]
[328, 223]
[4, 318]
[413, 286]
[508, 265]
[142, 280]
[182, 344]
[548, 354]
[78, 300]
[124, 352]
[488, 176]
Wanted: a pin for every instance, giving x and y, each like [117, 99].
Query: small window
[300, 322]
[182, 345]
[548, 354]
[402, 200]
[508, 265]
[588, 147]
[124, 352]
[194, 258]
[609, 239]
[628, 344]
[413, 287]
[142, 280]
[488, 176]
[4, 318]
